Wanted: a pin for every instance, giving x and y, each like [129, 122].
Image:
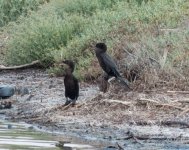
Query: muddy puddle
[24, 136]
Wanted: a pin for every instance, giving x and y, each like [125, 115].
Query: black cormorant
[108, 64]
[71, 83]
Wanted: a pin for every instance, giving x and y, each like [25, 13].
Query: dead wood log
[20, 66]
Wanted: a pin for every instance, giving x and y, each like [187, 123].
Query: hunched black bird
[108, 64]
[70, 82]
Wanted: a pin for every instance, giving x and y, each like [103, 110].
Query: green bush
[10, 10]
[86, 7]
[68, 30]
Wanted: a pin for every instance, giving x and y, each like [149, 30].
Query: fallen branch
[117, 101]
[160, 104]
[181, 101]
[149, 100]
[180, 92]
[145, 137]
[20, 66]
[169, 123]
[184, 112]
[169, 105]
[119, 146]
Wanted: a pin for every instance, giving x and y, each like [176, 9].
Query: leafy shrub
[68, 30]
[10, 10]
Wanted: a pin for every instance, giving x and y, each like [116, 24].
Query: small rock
[110, 148]
[6, 91]
[20, 78]
[31, 128]
[7, 105]
[9, 126]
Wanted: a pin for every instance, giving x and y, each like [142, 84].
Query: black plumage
[71, 83]
[108, 64]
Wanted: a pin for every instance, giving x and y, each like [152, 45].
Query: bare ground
[157, 119]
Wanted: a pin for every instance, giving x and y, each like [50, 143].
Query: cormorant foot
[67, 103]
[73, 103]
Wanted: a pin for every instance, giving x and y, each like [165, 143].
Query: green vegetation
[69, 29]
[10, 10]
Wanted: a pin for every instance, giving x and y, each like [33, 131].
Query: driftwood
[117, 101]
[20, 66]
[180, 92]
[161, 104]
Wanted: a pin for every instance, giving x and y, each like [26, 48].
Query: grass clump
[38, 38]
[10, 10]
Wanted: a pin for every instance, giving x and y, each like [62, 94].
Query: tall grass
[10, 10]
[69, 29]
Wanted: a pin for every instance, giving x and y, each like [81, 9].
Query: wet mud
[104, 120]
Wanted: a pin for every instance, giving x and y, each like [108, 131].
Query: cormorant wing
[76, 87]
[109, 65]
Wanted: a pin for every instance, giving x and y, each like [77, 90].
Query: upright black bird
[108, 64]
[71, 83]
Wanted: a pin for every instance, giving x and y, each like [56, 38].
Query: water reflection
[20, 136]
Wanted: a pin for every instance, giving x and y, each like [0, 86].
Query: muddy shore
[128, 120]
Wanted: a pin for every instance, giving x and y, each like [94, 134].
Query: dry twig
[184, 112]
[149, 100]
[117, 101]
[180, 92]
[161, 104]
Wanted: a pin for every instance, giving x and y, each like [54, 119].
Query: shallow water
[23, 136]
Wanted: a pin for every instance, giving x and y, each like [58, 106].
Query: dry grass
[129, 108]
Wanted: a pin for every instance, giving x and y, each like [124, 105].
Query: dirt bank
[132, 119]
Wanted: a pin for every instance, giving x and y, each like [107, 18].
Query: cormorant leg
[106, 76]
[103, 84]
[111, 79]
[67, 101]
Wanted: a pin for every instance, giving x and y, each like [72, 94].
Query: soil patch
[124, 119]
